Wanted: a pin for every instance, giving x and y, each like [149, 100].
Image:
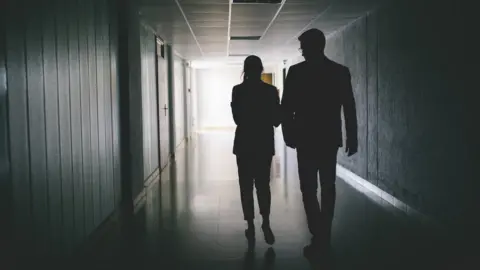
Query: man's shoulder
[337, 67]
[296, 66]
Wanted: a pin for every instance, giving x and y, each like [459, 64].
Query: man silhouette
[315, 92]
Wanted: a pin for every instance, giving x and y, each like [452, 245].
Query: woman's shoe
[268, 234]
[250, 233]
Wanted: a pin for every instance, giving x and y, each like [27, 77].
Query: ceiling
[200, 29]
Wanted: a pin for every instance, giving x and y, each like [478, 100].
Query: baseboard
[139, 201]
[370, 190]
[152, 177]
[114, 218]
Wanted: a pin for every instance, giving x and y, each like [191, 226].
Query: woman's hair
[252, 67]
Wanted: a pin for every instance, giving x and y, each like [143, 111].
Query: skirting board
[140, 199]
[371, 190]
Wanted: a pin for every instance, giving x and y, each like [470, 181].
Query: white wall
[214, 90]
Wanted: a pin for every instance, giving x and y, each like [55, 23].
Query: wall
[5, 200]
[179, 99]
[214, 93]
[149, 102]
[143, 138]
[412, 71]
[354, 55]
[213, 89]
[63, 119]
[194, 103]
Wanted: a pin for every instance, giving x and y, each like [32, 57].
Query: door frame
[158, 42]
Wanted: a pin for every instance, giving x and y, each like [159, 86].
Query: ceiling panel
[309, 8]
[292, 17]
[249, 25]
[155, 2]
[244, 47]
[210, 31]
[257, 12]
[213, 39]
[247, 31]
[209, 24]
[207, 17]
[205, 8]
[217, 46]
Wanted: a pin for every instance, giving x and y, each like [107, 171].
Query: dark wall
[413, 74]
[143, 102]
[342, 48]
[5, 200]
[135, 101]
[63, 119]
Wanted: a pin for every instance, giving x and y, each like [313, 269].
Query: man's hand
[351, 149]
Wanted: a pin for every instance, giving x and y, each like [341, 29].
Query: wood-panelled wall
[149, 101]
[63, 119]
[5, 200]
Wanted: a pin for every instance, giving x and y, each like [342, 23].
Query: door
[267, 78]
[188, 107]
[163, 108]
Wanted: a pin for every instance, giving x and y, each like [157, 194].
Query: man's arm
[235, 106]
[350, 113]
[288, 109]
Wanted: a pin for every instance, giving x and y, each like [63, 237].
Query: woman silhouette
[256, 111]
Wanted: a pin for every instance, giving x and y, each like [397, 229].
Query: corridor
[192, 219]
[116, 131]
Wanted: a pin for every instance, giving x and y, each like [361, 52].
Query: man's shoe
[317, 247]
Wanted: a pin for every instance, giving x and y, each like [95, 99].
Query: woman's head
[252, 67]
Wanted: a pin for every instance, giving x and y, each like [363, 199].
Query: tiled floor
[192, 219]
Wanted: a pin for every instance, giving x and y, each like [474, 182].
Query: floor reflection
[192, 219]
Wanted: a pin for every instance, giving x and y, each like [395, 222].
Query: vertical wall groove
[60, 231]
[45, 128]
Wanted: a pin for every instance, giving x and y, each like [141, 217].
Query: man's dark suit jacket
[256, 111]
[313, 97]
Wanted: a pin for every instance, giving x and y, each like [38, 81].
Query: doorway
[267, 78]
[163, 103]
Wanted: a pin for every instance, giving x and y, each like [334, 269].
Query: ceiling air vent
[245, 37]
[257, 1]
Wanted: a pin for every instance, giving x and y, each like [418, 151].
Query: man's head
[312, 43]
